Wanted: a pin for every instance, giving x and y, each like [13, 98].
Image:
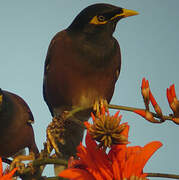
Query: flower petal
[93, 117]
[116, 169]
[75, 173]
[116, 114]
[1, 168]
[169, 96]
[125, 132]
[98, 158]
[140, 112]
[87, 124]
[143, 83]
[146, 84]
[172, 90]
[9, 175]
[141, 158]
[152, 99]
[149, 149]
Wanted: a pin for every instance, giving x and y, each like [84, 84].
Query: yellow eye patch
[123, 14]
[96, 21]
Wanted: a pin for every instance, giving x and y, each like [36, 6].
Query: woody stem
[132, 109]
[163, 175]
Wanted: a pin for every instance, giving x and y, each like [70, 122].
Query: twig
[163, 175]
[118, 107]
[40, 162]
[172, 176]
[54, 178]
[131, 109]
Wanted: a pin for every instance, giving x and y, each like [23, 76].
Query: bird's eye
[101, 18]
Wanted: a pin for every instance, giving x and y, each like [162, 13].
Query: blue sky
[149, 46]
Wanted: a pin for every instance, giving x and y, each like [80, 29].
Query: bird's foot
[55, 131]
[99, 104]
[17, 161]
[68, 114]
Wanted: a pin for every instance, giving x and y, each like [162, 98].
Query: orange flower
[148, 96]
[107, 129]
[172, 100]
[130, 161]
[93, 163]
[7, 176]
[145, 92]
[155, 105]
[147, 115]
[175, 120]
[121, 163]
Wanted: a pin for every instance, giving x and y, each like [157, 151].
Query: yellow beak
[128, 12]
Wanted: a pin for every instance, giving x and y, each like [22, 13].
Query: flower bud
[176, 120]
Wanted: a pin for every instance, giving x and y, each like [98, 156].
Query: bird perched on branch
[16, 132]
[82, 66]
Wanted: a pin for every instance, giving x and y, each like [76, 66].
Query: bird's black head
[99, 18]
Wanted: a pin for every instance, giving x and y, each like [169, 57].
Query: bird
[16, 132]
[82, 66]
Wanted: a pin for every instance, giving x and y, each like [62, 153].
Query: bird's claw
[99, 104]
[67, 114]
[20, 166]
[17, 161]
[55, 131]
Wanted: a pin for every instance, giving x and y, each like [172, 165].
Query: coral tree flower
[129, 162]
[145, 92]
[155, 105]
[148, 97]
[146, 114]
[172, 100]
[7, 176]
[107, 130]
[121, 163]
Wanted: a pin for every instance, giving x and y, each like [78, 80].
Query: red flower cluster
[120, 163]
[148, 97]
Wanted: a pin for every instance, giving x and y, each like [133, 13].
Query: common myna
[16, 132]
[82, 66]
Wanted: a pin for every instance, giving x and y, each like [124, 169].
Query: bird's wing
[118, 68]
[44, 81]
[23, 105]
[46, 69]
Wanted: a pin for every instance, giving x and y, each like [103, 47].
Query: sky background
[149, 47]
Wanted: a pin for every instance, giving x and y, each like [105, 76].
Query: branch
[131, 109]
[55, 178]
[163, 175]
[118, 107]
[172, 176]
[40, 162]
